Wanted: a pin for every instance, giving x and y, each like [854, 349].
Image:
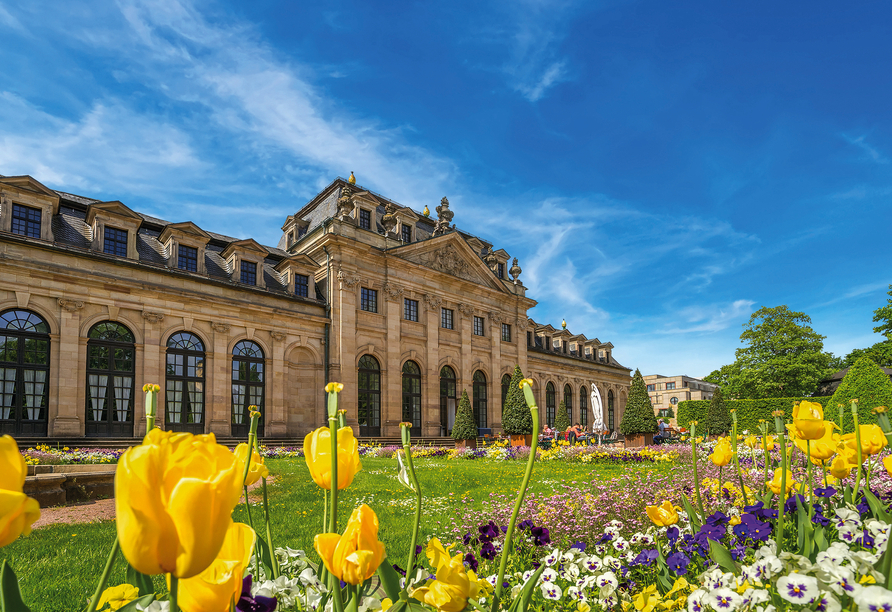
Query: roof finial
[426, 212]
[352, 179]
[564, 323]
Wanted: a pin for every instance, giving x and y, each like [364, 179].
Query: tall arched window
[24, 373]
[568, 402]
[506, 383]
[549, 404]
[412, 396]
[610, 418]
[369, 410]
[184, 374]
[479, 390]
[247, 386]
[583, 407]
[111, 357]
[448, 400]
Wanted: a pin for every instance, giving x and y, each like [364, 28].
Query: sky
[660, 170]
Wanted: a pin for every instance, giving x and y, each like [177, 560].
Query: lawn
[58, 565]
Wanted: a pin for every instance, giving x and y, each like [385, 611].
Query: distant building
[829, 385]
[666, 391]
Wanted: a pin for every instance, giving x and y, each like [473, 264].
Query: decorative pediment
[29, 183]
[300, 261]
[246, 246]
[451, 255]
[186, 228]
[114, 208]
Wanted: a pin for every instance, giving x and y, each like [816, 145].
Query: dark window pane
[187, 258]
[407, 233]
[115, 241]
[249, 272]
[301, 285]
[365, 219]
[410, 309]
[368, 300]
[25, 221]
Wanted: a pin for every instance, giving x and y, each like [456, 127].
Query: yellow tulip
[887, 463]
[220, 584]
[334, 387]
[721, 454]
[663, 515]
[436, 554]
[775, 483]
[317, 451]
[824, 447]
[257, 470]
[354, 556]
[808, 419]
[845, 460]
[751, 441]
[174, 497]
[872, 440]
[451, 589]
[735, 520]
[17, 510]
[118, 596]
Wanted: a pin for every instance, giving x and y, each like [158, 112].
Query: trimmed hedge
[718, 415]
[562, 420]
[516, 418]
[866, 381]
[639, 417]
[750, 411]
[464, 427]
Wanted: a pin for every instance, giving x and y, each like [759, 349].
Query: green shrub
[867, 382]
[639, 417]
[718, 416]
[516, 417]
[561, 420]
[748, 411]
[464, 427]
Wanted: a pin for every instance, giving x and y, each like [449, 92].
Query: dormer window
[302, 285]
[406, 233]
[115, 241]
[365, 219]
[248, 273]
[26, 221]
[187, 258]
[501, 271]
[290, 238]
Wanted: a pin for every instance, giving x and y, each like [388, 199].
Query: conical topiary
[867, 382]
[639, 416]
[464, 427]
[561, 420]
[516, 418]
[718, 417]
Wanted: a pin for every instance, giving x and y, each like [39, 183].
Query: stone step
[117, 443]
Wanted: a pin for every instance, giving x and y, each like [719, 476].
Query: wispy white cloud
[708, 318]
[871, 153]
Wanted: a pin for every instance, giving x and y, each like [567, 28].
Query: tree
[464, 427]
[880, 353]
[867, 382]
[883, 316]
[718, 417]
[561, 420]
[782, 357]
[516, 417]
[639, 416]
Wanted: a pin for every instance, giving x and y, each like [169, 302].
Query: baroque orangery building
[405, 310]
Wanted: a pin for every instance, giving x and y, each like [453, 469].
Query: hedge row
[750, 411]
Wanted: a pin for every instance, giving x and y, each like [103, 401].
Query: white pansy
[840, 579]
[695, 601]
[548, 575]
[769, 549]
[527, 574]
[835, 554]
[607, 582]
[571, 571]
[573, 592]
[864, 560]
[492, 579]
[593, 564]
[568, 556]
[797, 588]
[630, 556]
[608, 602]
[647, 540]
[723, 599]
[826, 602]
[874, 599]
[155, 606]
[551, 591]
[794, 561]
[551, 558]
[620, 544]
[612, 562]
[754, 597]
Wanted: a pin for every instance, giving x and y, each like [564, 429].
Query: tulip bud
[527, 385]
[333, 388]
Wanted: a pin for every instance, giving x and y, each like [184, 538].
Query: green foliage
[748, 411]
[883, 316]
[639, 416]
[561, 419]
[880, 353]
[783, 357]
[867, 382]
[464, 427]
[516, 417]
[718, 416]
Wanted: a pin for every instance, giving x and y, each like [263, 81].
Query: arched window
[111, 356]
[247, 387]
[412, 396]
[506, 383]
[369, 410]
[448, 400]
[568, 402]
[184, 375]
[549, 404]
[479, 390]
[610, 418]
[24, 373]
[583, 407]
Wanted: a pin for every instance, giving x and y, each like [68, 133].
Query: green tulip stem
[506, 547]
[765, 458]
[746, 500]
[869, 470]
[333, 517]
[103, 579]
[407, 448]
[269, 534]
[696, 475]
[256, 545]
[811, 482]
[174, 591]
[824, 469]
[854, 406]
[782, 443]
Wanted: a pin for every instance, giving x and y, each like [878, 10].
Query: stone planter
[472, 443]
[639, 440]
[521, 439]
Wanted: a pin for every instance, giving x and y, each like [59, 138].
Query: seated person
[658, 439]
[548, 432]
[574, 433]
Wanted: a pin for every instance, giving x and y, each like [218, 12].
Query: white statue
[598, 409]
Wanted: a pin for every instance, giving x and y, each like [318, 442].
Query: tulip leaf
[398, 606]
[879, 511]
[140, 581]
[10, 597]
[526, 593]
[692, 514]
[722, 556]
[265, 557]
[390, 580]
[143, 602]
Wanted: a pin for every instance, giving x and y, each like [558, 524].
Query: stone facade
[359, 289]
[666, 391]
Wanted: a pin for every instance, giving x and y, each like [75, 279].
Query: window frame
[479, 326]
[411, 396]
[240, 429]
[447, 318]
[247, 274]
[185, 257]
[368, 299]
[22, 215]
[406, 233]
[112, 236]
[365, 219]
[583, 407]
[410, 309]
[500, 270]
[371, 395]
[192, 357]
[479, 402]
[550, 404]
[31, 327]
[302, 288]
[119, 347]
[506, 332]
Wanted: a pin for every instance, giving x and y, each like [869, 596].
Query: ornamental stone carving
[491, 260]
[152, 317]
[522, 323]
[277, 335]
[432, 302]
[466, 309]
[389, 220]
[392, 292]
[345, 204]
[515, 271]
[497, 317]
[71, 305]
[220, 327]
[347, 280]
[444, 218]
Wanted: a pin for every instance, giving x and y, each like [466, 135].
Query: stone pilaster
[430, 394]
[64, 416]
[218, 382]
[391, 399]
[275, 425]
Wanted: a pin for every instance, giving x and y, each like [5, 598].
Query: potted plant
[639, 422]
[516, 418]
[464, 430]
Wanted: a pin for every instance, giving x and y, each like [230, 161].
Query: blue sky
[660, 170]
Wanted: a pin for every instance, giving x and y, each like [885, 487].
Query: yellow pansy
[118, 596]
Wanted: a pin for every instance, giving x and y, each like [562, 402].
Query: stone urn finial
[444, 218]
[515, 271]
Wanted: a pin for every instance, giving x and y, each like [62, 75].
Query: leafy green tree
[516, 417]
[880, 353]
[718, 417]
[883, 316]
[464, 427]
[867, 382]
[639, 417]
[782, 357]
[561, 420]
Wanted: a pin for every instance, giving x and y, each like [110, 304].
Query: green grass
[58, 565]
